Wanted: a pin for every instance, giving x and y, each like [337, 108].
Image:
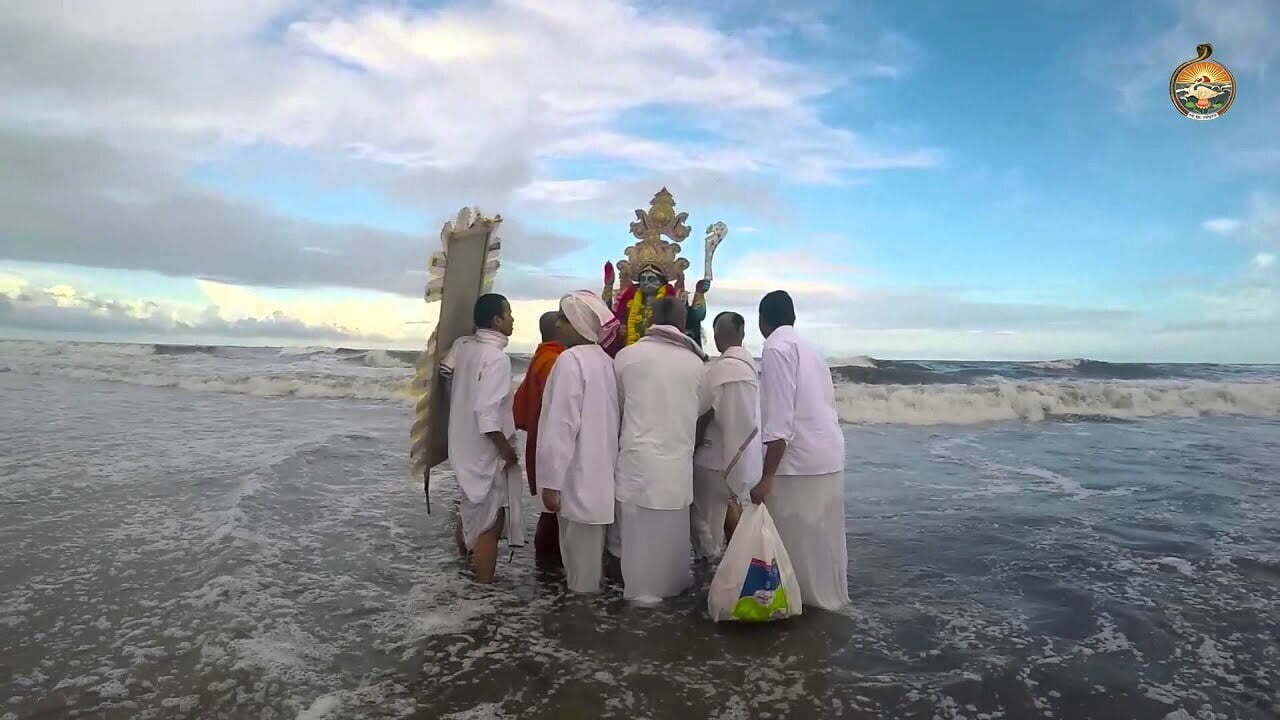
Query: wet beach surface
[172, 554]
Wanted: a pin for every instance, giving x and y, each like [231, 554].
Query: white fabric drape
[706, 517]
[661, 396]
[733, 439]
[655, 553]
[588, 314]
[578, 434]
[582, 550]
[480, 403]
[797, 403]
[809, 514]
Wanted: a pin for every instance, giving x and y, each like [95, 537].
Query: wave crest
[1038, 401]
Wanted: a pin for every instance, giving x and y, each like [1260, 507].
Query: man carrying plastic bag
[755, 581]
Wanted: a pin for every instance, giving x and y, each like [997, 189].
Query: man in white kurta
[803, 477]
[660, 388]
[578, 440]
[728, 462]
[481, 433]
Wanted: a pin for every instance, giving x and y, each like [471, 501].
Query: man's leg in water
[731, 520]
[546, 541]
[484, 556]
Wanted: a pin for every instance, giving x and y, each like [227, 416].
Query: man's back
[798, 405]
[732, 385]
[580, 451]
[660, 390]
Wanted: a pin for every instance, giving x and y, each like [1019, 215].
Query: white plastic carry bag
[755, 581]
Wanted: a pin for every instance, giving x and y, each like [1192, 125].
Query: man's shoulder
[637, 349]
[550, 349]
[491, 356]
[580, 355]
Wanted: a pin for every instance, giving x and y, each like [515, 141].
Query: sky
[929, 179]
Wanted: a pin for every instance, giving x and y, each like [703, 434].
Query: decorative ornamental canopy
[652, 251]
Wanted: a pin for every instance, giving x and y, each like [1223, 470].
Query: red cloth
[526, 406]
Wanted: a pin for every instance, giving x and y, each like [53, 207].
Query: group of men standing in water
[637, 454]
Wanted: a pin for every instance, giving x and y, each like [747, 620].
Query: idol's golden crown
[652, 251]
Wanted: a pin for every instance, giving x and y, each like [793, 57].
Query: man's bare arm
[703, 423]
[505, 451]
[773, 452]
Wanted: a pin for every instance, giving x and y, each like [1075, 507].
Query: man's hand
[551, 499]
[773, 452]
[505, 451]
[761, 490]
[702, 287]
[510, 460]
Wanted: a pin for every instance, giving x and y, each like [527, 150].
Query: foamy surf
[196, 553]
[1040, 401]
[868, 390]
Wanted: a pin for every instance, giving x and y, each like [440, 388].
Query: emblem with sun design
[1202, 89]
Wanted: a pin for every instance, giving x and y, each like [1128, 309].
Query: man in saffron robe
[527, 406]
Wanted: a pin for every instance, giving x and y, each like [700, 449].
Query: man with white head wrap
[578, 438]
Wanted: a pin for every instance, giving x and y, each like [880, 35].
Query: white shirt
[733, 389]
[661, 394]
[479, 403]
[797, 404]
[578, 434]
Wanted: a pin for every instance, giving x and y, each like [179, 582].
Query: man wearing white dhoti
[578, 438]
[803, 477]
[660, 390]
[729, 461]
[481, 432]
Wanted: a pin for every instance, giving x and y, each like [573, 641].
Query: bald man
[729, 458]
[661, 397]
[527, 407]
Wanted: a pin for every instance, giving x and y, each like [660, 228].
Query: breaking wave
[160, 349]
[868, 390]
[319, 385]
[1038, 401]
[385, 358]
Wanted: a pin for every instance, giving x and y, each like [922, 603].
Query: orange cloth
[526, 406]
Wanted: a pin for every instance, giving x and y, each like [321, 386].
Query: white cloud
[108, 107]
[563, 191]
[1264, 260]
[387, 316]
[234, 313]
[448, 88]
[63, 308]
[1222, 226]
[1243, 34]
[800, 272]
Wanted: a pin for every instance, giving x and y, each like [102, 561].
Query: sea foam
[1037, 401]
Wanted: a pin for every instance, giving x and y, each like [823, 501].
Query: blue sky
[930, 179]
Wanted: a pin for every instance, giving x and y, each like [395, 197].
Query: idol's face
[649, 282]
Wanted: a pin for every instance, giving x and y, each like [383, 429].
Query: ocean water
[229, 532]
